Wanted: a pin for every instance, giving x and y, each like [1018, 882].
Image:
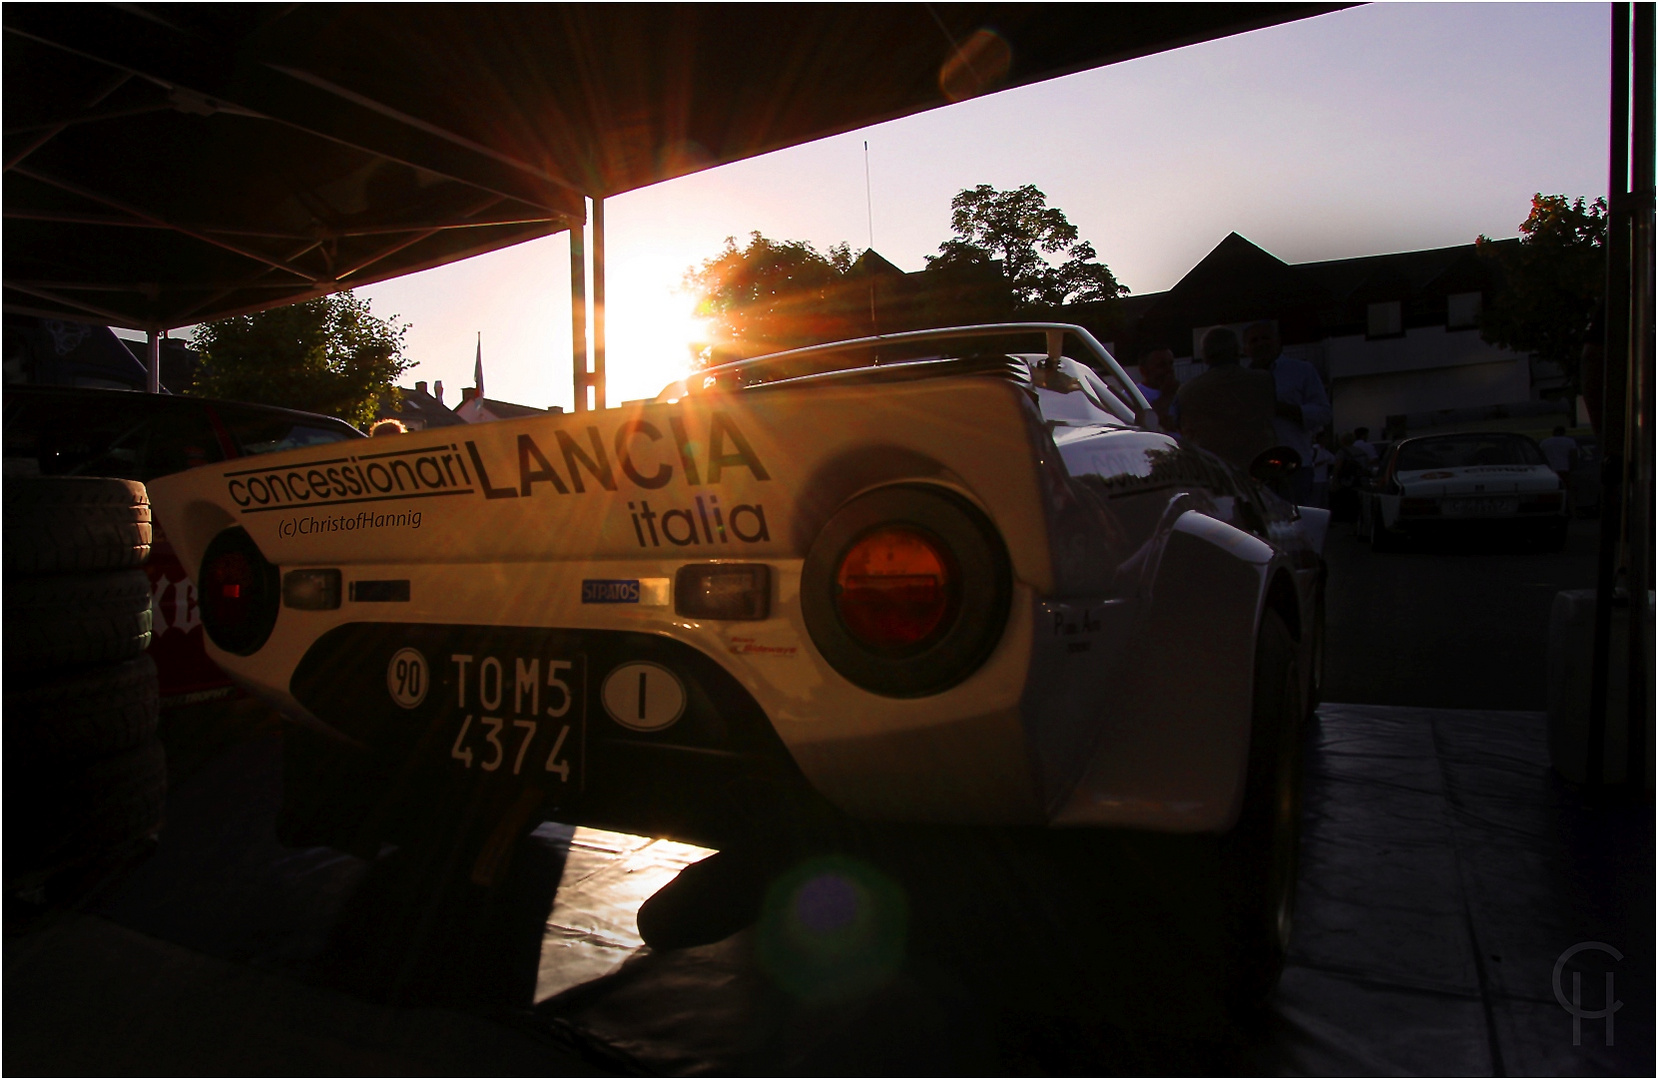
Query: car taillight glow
[895, 588]
[240, 593]
[1417, 506]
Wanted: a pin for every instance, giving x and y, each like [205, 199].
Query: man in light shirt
[1560, 451]
[1303, 407]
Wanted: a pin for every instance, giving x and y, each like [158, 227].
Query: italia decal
[572, 461]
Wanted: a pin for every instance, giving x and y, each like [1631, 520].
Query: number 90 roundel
[406, 677]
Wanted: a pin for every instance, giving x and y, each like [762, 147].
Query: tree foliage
[330, 355]
[768, 294]
[780, 294]
[1022, 230]
[1554, 281]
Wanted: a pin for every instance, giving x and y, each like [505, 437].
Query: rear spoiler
[844, 356]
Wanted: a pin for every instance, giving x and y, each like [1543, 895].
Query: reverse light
[311, 590]
[894, 588]
[240, 593]
[733, 591]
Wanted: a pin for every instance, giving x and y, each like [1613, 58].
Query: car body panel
[1135, 561]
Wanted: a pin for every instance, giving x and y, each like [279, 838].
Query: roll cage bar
[1053, 333]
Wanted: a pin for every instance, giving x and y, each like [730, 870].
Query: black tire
[76, 619]
[1258, 857]
[86, 714]
[1315, 677]
[67, 524]
[63, 813]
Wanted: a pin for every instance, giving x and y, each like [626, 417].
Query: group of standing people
[1236, 410]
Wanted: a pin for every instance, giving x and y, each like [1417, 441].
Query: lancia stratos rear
[920, 578]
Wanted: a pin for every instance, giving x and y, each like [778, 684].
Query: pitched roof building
[1395, 337]
[419, 409]
[481, 410]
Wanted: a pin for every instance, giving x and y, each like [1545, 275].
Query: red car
[65, 431]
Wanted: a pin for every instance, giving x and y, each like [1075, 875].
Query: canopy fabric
[167, 164]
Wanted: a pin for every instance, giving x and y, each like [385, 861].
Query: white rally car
[1479, 480]
[920, 578]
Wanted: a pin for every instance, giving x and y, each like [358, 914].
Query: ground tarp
[1445, 872]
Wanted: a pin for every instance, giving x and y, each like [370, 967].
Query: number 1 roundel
[643, 696]
[407, 677]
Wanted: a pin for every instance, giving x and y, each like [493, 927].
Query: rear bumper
[491, 726]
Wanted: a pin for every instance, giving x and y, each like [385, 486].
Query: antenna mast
[869, 210]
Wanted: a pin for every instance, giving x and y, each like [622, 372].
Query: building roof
[419, 405]
[1239, 281]
[477, 410]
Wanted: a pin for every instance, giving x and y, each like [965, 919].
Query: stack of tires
[86, 776]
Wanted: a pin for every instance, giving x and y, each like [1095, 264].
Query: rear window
[263, 433]
[1072, 394]
[129, 435]
[1461, 451]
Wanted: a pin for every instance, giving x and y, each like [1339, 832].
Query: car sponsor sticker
[646, 592]
[747, 645]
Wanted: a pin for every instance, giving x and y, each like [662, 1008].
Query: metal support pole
[1638, 437]
[1614, 357]
[598, 302]
[152, 377]
[578, 314]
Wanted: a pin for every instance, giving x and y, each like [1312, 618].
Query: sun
[651, 328]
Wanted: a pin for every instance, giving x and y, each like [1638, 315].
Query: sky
[1389, 127]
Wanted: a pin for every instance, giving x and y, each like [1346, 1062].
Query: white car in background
[1464, 482]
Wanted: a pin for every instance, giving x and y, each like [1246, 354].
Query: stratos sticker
[646, 592]
[407, 677]
[609, 592]
[643, 696]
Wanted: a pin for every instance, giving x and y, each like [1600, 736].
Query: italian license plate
[503, 713]
[1480, 507]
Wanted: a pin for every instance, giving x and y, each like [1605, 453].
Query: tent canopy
[167, 164]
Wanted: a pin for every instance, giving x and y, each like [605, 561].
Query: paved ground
[1458, 626]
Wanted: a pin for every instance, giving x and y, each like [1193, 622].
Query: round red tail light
[240, 593]
[906, 590]
[895, 588]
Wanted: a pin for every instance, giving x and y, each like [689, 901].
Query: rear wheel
[1258, 857]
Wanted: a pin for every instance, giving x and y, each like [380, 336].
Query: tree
[329, 355]
[768, 295]
[1554, 281]
[1021, 229]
